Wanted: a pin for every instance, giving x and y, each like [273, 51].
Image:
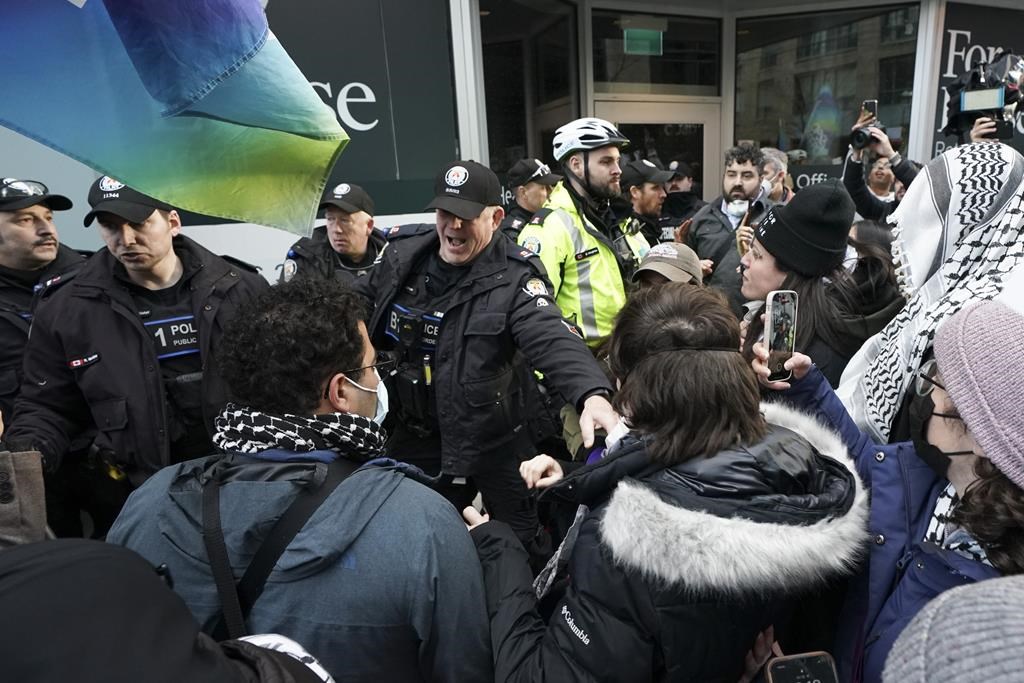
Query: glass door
[664, 132]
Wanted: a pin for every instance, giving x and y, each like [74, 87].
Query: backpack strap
[237, 599]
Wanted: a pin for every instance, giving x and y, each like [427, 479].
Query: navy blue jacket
[903, 572]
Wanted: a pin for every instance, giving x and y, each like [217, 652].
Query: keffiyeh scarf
[242, 430]
[959, 235]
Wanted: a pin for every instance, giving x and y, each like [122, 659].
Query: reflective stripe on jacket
[582, 267]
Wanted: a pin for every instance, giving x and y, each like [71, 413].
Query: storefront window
[800, 80]
[530, 76]
[645, 53]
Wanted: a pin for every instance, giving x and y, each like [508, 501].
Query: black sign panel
[385, 68]
[971, 34]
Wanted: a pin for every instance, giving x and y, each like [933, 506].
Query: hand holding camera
[868, 132]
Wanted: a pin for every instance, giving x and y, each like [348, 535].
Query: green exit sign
[642, 41]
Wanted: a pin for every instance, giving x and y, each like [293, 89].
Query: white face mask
[737, 207]
[382, 397]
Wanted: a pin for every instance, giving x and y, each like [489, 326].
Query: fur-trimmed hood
[721, 544]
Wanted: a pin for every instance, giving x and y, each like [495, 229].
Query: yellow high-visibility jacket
[581, 264]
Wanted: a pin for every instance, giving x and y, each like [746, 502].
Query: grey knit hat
[980, 352]
[969, 634]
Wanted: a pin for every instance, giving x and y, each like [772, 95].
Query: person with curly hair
[378, 579]
[947, 507]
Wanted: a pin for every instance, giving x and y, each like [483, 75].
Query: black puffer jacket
[676, 570]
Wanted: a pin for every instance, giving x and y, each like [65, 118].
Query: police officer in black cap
[30, 257]
[530, 181]
[466, 314]
[643, 186]
[347, 247]
[128, 347]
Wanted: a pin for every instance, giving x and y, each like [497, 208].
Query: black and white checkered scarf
[242, 430]
[959, 235]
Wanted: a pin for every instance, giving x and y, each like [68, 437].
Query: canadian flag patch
[75, 363]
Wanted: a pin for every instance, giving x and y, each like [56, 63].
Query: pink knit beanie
[980, 352]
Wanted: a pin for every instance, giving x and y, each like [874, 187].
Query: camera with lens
[861, 137]
[990, 90]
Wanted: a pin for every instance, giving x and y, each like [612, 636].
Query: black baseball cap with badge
[639, 172]
[20, 194]
[347, 197]
[108, 195]
[465, 188]
[531, 171]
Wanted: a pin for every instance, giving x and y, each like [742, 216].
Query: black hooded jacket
[675, 570]
[92, 363]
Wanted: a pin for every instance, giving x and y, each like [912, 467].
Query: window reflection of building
[530, 76]
[800, 79]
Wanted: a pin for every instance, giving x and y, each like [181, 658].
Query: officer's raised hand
[597, 413]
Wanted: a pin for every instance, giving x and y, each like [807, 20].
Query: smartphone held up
[810, 667]
[780, 332]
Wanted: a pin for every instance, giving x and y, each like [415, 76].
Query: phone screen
[780, 332]
[871, 106]
[816, 668]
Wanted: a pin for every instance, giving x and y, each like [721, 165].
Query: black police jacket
[91, 363]
[514, 221]
[315, 257]
[17, 300]
[495, 320]
[676, 569]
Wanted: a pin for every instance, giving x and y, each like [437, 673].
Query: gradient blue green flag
[191, 101]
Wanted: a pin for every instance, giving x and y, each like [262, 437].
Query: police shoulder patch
[532, 243]
[535, 286]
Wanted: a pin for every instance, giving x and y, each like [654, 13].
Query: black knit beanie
[808, 235]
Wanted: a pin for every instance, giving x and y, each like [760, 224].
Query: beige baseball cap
[675, 261]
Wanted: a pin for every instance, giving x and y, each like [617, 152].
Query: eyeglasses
[383, 369]
[12, 187]
[926, 382]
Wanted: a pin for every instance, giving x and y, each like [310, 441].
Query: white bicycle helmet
[586, 134]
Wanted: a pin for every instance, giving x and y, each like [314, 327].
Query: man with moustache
[127, 347]
[346, 248]
[713, 234]
[589, 256]
[30, 256]
[467, 314]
